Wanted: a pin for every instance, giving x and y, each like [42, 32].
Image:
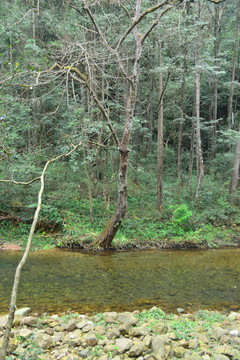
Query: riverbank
[206, 238]
[146, 335]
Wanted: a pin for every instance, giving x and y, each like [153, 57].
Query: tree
[131, 75]
[3, 350]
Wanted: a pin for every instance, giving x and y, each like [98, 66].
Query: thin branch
[155, 22]
[137, 20]
[20, 182]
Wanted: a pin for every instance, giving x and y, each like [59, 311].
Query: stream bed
[60, 280]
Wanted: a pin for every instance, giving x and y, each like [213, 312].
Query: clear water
[57, 280]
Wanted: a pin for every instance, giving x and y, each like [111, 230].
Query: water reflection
[60, 280]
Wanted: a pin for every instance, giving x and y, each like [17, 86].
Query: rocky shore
[146, 335]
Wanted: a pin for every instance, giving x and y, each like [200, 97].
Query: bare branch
[155, 22]
[138, 19]
[20, 182]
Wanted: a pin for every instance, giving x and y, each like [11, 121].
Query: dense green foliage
[43, 112]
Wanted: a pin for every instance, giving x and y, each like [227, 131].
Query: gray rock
[234, 316]
[193, 344]
[57, 337]
[29, 321]
[206, 357]
[193, 356]
[180, 310]
[136, 349]
[91, 339]
[217, 332]
[202, 338]
[70, 326]
[124, 328]
[179, 351]
[84, 353]
[234, 332]
[113, 333]
[23, 311]
[225, 350]
[147, 341]
[220, 357]
[25, 333]
[159, 347]
[139, 331]
[123, 345]
[19, 351]
[100, 329]
[43, 341]
[127, 318]
[161, 328]
[81, 324]
[3, 321]
[110, 348]
[74, 338]
[103, 357]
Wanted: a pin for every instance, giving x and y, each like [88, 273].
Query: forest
[134, 108]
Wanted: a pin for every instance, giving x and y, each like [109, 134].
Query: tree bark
[180, 134]
[230, 115]
[160, 133]
[200, 169]
[235, 171]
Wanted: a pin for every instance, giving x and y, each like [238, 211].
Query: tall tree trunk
[200, 169]
[180, 134]
[191, 154]
[160, 133]
[214, 93]
[235, 171]
[230, 115]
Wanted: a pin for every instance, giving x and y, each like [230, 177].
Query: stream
[60, 280]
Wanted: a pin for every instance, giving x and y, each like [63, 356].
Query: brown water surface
[57, 280]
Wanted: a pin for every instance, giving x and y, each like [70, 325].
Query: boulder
[136, 349]
[91, 339]
[127, 318]
[23, 311]
[123, 345]
[160, 347]
[216, 332]
[43, 341]
[113, 333]
[220, 357]
[25, 333]
[193, 344]
[29, 321]
[179, 351]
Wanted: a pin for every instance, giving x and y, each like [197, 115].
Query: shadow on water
[58, 280]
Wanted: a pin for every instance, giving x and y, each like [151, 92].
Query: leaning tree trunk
[104, 240]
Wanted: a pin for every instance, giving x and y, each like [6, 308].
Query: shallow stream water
[57, 280]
